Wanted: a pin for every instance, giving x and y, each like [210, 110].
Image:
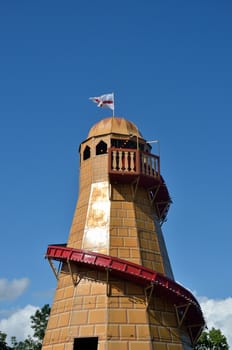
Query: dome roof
[114, 125]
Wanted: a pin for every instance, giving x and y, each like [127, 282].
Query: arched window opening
[86, 154]
[101, 148]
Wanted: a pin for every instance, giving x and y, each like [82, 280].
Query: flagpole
[113, 103]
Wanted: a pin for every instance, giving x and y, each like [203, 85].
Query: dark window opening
[89, 343]
[86, 153]
[130, 144]
[101, 148]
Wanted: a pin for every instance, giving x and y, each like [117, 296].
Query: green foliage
[3, 343]
[38, 323]
[28, 344]
[212, 340]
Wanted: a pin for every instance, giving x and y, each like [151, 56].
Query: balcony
[125, 165]
[132, 166]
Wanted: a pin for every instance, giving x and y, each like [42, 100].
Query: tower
[115, 286]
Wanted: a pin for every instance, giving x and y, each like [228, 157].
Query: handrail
[187, 308]
[133, 161]
[125, 268]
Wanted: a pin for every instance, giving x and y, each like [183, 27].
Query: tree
[28, 344]
[39, 322]
[3, 343]
[212, 340]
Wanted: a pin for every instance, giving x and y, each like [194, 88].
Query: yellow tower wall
[119, 220]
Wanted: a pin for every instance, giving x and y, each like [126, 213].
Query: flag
[104, 101]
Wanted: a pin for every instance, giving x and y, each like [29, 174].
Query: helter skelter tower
[116, 289]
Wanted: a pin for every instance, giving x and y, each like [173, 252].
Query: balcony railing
[133, 162]
[134, 166]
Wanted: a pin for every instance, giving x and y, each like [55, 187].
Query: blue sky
[169, 65]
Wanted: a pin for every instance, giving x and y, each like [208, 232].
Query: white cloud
[10, 290]
[218, 314]
[18, 324]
